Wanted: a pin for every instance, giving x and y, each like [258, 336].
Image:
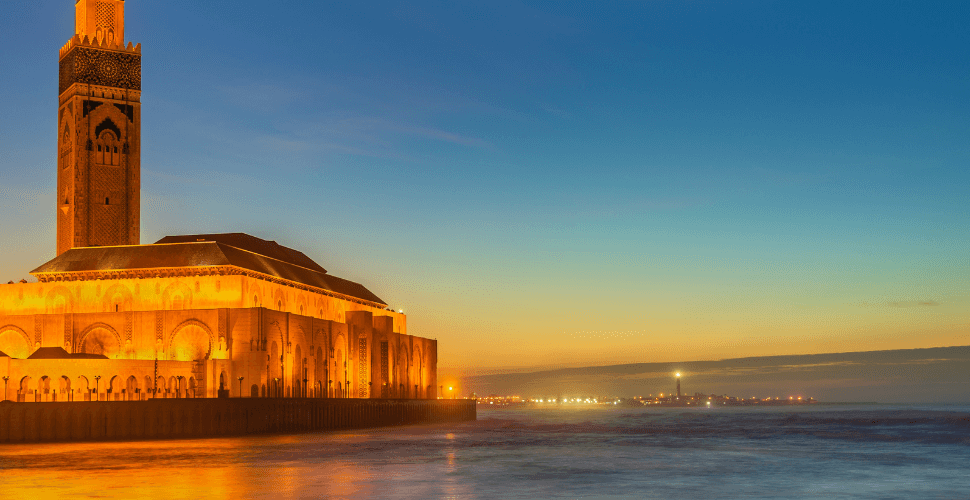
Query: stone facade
[190, 316]
[206, 330]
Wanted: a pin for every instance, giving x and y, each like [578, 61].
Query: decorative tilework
[362, 368]
[100, 67]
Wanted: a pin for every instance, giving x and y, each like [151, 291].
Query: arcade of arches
[228, 352]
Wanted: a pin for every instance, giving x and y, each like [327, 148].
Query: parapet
[78, 41]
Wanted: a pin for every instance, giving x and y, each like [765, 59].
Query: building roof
[60, 353]
[253, 244]
[3, 355]
[214, 250]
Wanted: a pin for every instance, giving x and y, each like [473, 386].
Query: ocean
[823, 451]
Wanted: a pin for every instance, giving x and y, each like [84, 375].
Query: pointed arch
[99, 338]
[117, 298]
[279, 300]
[59, 300]
[191, 340]
[107, 124]
[176, 296]
[402, 382]
[418, 377]
[14, 342]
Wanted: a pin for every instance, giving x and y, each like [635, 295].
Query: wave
[920, 426]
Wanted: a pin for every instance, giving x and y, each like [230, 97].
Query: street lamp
[451, 390]
[5, 379]
[277, 390]
[240, 385]
[678, 385]
[178, 386]
[97, 386]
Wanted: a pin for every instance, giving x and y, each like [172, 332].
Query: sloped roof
[60, 353]
[212, 251]
[244, 241]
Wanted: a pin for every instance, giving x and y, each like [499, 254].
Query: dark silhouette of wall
[201, 418]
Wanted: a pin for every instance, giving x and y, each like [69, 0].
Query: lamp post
[305, 390]
[441, 391]
[97, 386]
[452, 391]
[240, 385]
[678, 386]
[5, 379]
[277, 390]
[178, 386]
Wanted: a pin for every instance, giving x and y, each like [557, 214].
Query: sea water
[823, 451]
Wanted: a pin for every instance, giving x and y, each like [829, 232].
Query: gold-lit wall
[283, 341]
[177, 293]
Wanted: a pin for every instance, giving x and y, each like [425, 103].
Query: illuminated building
[189, 316]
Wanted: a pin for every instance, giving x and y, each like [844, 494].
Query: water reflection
[347, 465]
[846, 452]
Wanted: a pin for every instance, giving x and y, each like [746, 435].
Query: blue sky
[715, 179]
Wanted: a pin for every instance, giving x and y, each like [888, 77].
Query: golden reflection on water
[414, 463]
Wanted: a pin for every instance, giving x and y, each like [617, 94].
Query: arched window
[108, 149]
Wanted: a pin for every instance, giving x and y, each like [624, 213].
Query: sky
[547, 184]
[936, 375]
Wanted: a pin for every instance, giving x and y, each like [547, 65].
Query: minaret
[99, 131]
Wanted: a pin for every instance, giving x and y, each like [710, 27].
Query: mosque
[197, 316]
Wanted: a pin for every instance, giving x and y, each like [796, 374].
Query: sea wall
[200, 418]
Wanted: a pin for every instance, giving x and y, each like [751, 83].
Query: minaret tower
[99, 131]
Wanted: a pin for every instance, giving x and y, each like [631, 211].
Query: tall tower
[99, 131]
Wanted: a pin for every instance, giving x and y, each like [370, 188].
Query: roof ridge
[266, 256]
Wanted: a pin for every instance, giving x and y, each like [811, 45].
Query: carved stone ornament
[100, 67]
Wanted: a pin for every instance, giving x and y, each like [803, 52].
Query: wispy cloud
[913, 303]
[901, 304]
[262, 97]
[369, 127]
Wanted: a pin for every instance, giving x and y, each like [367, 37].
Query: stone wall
[201, 418]
[276, 352]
